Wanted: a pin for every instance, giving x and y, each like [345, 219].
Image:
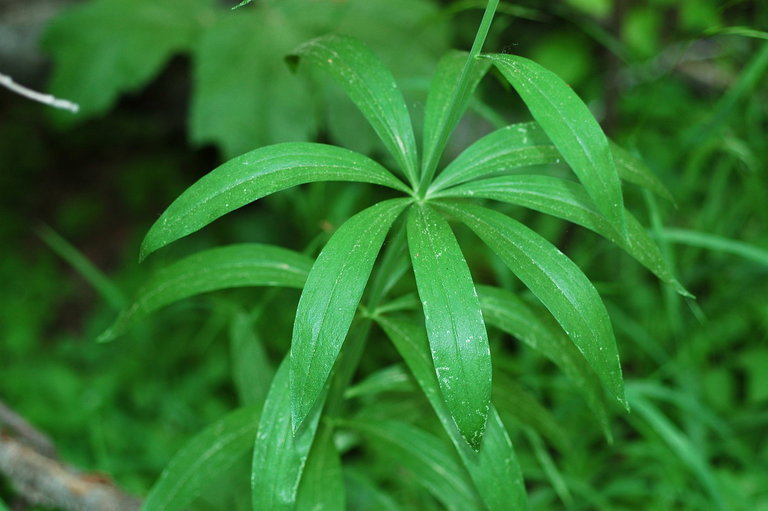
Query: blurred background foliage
[171, 88]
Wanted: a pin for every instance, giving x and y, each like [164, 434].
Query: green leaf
[104, 48]
[370, 85]
[363, 494]
[322, 486]
[569, 201]
[443, 91]
[556, 281]
[717, 244]
[523, 145]
[248, 264]
[249, 98]
[505, 311]
[195, 468]
[254, 175]
[494, 468]
[330, 298]
[428, 460]
[454, 322]
[279, 456]
[570, 125]
[3, 507]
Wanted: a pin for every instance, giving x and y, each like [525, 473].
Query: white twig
[47, 99]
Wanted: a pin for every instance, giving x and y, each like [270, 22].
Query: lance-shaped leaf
[279, 456]
[440, 114]
[454, 322]
[242, 265]
[569, 201]
[371, 86]
[428, 459]
[322, 486]
[330, 298]
[196, 466]
[494, 468]
[570, 125]
[525, 144]
[556, 281]
[505, 311]
[254, 175]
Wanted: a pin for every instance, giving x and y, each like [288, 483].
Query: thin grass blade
[254, 175]
[242, 265]
[454, 321]
[371, 86]
[330, 298]
[196, 466]
[556, 281]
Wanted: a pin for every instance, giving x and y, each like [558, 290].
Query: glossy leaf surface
[455, 327]
[371, 86]
[242, 265]
[557, 282]
[569, 201]
[571, 127]
[505, 311]
[525, 144]
[279, 456]
[494, 468]
[438, 122]
[196, 466]
[330, 298]
[254, 175]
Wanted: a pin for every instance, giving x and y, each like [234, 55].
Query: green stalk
[459, 99]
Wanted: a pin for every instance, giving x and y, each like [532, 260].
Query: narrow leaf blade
[443, 91]
[425, 456]
[330, 298]
[570, 125]
[370, 85]
[195, 467]
[557, 282]
[494, 468]
[505, 311]
[241, 265]
[322, 486]
[454, 322]
[525, 144]
[254, 175]
[279, 456]
[569, 201]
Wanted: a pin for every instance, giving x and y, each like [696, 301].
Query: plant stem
[460, 98]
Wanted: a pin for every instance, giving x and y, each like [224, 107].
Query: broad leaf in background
[330, 299]
[572, 128]
[254, 175]
[243, 96]
[252, 371]
[105, 48]
[198, 464]
[371, 86]
[279, 456]
[556, 281]
[429, 461]
[494, 468]
[243, 265]
[454, 322]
